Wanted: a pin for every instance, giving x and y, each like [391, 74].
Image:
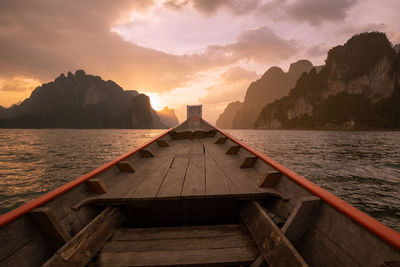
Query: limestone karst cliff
[81, 101]
[225, 119]
[275, 83]
[358, 88]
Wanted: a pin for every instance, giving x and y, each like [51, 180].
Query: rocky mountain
[358, 88]
[81, 101]
[275, 83]
[225, 119]
[168, 117]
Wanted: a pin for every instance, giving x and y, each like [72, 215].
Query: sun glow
[156, 101]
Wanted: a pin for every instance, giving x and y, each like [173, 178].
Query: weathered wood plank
[48, 226]
[232, 241]
[96, 186]
[84, 245]
[275, 247]
[234, 256]
[172, 185]
[301, 216]
[216, 182]
[195, 179]
[270, 179]
[151, 184]
[176, 232]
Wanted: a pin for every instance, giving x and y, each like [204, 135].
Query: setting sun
[156, 101]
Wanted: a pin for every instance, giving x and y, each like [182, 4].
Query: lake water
[362, 168]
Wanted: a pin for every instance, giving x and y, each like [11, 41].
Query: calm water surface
[362, 168]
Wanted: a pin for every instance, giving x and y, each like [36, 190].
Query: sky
[179, 52]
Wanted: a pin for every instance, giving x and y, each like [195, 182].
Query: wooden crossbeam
[259, 262]
[248, 162]
[221, 140]
[270, 179]
[96, 186]
[301, 216]
[162, 143]
[146, 153]
[49, 227]
[233, 150]
[272, 243]
[125, 166]
[84, 245]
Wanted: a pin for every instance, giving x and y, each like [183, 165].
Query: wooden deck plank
[214, 242]
[176, 232]
[245, 180]
[195, 179]
[231, 168]
[241, 255]
[173, 182]
[216, 181]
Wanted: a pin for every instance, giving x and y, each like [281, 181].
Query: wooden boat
[193, 196]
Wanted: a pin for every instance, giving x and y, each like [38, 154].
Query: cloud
[238, 74]
[230, 86]
[313, 12]
[42, 40]
[260, 45]
[19, 84]
[317, 50]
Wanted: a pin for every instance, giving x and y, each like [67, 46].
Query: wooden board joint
[96, 186]
[248, 162]
[125, 166]
[270, 179]
[49, 227]
[233, 150]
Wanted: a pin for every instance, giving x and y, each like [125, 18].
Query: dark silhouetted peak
[360, 54]
[272, 72]
[132, 92]
[225, 119]
[168, 117]
[80, 73]
[397, 48]
[82, 101]
[299, 67]
[275, 83]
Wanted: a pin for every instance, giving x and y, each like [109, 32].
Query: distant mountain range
[357, 88]
[85, 101]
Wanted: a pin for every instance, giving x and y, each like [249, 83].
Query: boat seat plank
[226, 256]
[176, 232]
[186, 245]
